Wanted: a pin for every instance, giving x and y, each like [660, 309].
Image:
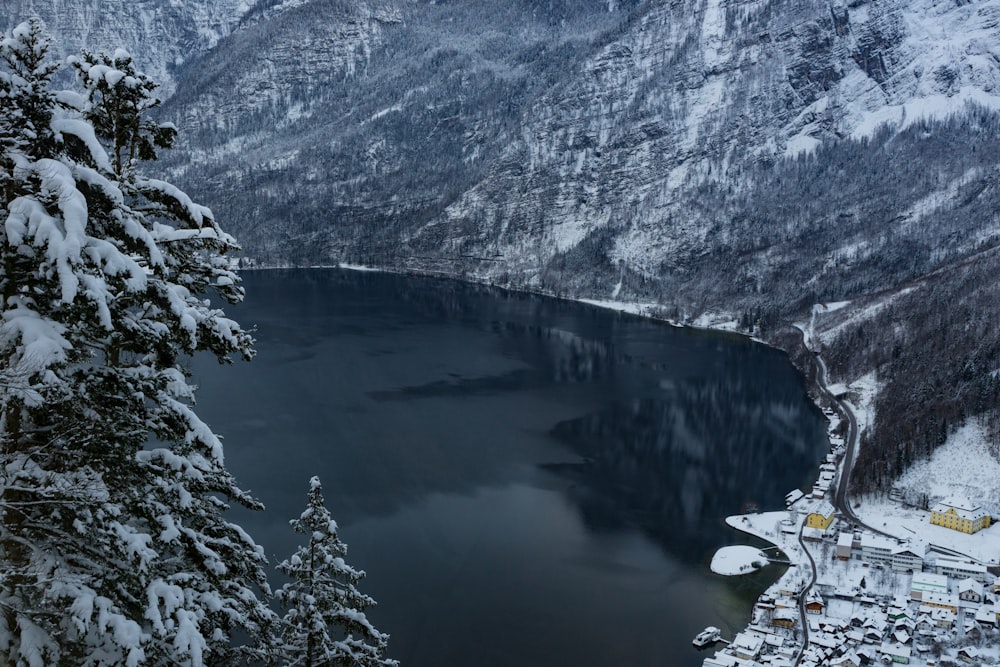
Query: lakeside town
[897, 585]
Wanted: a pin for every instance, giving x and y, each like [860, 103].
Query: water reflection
[674, 465]
[503, 461]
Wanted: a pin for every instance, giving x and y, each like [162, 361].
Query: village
[854, 595]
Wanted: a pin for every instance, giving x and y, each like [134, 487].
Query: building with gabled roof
[876, 549]
[961, 515]
[970, 590]
[821, 517]
[987, 615]
[908, 557]
[747, 645]
[941, 600]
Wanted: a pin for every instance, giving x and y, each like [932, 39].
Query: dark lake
[526, 481]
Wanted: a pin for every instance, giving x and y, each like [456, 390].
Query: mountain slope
[744, 160]
[163, 35]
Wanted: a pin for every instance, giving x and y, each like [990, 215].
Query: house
[747, 645]
[897, 613]
[897, 652]
[960, 515]
[814, 603]
[987, 616]
[908, 557]
[874, 636]
[721, 659]
[927, 582]
[970, 655]
[845, 544]
[784, 617]
[970, 590]
[821, 517]
[941, 601]
[849, 659]
[996, 585]
[943, 618]
[925, 625]
[773, 643]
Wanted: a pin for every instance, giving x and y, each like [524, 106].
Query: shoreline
[778, 618]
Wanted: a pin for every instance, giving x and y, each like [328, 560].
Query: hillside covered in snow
[745, 160]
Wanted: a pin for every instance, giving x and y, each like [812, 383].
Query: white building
[747, 645]
[927, 582]
[844, 545]
[876, 549]
[908, 557]
[970, 590]
[960, 569]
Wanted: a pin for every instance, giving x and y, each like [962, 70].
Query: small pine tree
[325, 623]
[113, 545]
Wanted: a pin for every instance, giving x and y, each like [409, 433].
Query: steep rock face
[163, 35]
[702, 94]
[347, 123]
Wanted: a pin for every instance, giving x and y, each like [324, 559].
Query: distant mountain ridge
[743, 160]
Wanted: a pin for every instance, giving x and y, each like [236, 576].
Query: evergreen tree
[113, 545]
[325, 624]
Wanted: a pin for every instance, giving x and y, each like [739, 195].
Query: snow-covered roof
[928, 582]
[895, 650]
[962, 507]
[959, 564]
[987, 613]
[872, 541]
[970, 584]
[824, 508]
[749, 643]
[940, 598]
[845, 540]
[918, 549]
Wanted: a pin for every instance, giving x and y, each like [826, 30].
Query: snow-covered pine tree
[325, 624]
[113, 545]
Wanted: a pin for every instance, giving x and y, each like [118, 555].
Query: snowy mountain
[163, 35]
[734, 160]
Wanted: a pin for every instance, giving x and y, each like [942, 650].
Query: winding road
[841, 499]
[804, 620]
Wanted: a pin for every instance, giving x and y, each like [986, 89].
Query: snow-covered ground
[908, 523]
[963, 466]
[860, 397]
[644, 309]
[779, 528]
[738, 559]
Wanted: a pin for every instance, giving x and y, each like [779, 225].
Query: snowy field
[963, 466]
[738, 559]
[908, 523]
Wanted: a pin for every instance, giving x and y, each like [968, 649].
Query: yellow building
[821, 518]
[960, 516]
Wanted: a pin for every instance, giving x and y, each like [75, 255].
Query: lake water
[526, 481]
